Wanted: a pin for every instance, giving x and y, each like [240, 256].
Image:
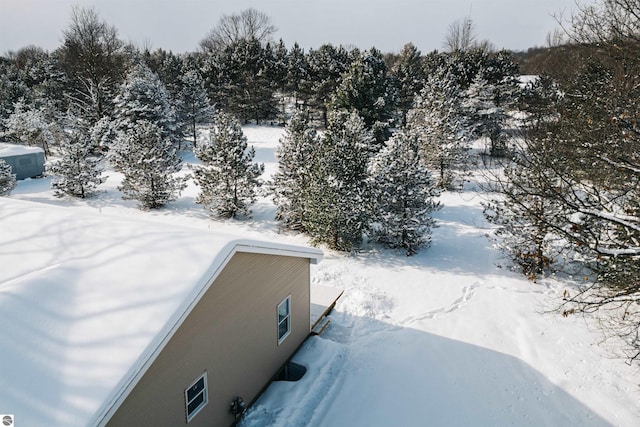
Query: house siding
[232, 335]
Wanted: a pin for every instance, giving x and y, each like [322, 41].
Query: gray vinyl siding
[231, 334]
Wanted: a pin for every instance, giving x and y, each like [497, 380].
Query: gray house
[26, 162]
[111, 321]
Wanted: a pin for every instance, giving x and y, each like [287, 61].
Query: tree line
[370, 138]
[97, 97]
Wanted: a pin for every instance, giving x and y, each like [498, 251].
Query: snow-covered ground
[443, 338]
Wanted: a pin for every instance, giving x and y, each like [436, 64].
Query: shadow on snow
[364, 372]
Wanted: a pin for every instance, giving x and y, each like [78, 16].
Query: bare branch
[249, 24]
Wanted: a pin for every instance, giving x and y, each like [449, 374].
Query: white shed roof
[10, 150]
[87, 301]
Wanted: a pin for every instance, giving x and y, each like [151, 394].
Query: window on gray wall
[284, 319]
[196, 396]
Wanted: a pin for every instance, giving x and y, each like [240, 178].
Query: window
[196, 396]
[284, 319]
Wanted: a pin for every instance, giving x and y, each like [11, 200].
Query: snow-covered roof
[527, 79]
[9, 150]
[87, 301]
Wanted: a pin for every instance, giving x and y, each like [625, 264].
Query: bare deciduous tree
[461, 36]
[555, 38]
[249, 24]
[583, 162]
[605, 20]
[93, 57]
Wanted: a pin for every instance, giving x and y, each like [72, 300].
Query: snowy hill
[443, 338]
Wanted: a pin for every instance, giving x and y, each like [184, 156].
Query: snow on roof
[527, 79]
[9, 150]
[87, 301]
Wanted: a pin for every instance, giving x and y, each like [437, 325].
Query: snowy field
[443, 338]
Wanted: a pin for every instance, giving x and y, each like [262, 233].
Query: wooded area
[370, 139]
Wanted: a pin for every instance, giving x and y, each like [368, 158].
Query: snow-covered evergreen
[297, 80]
[404, 194]
[76, 172]
[290, 184]
[148, 159]
[487, 117]
[244, 83]
[326, 65]
[228, 178]
[367, 90]
[33, 125]
[103, 133]
[13, 88]
[409, 75]
[143, 97]
[339, 203]
[193, 103]
[278, 68]
[7, 179]
[439, 121]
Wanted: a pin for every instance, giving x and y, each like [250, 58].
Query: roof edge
[144, 362]
[313, 254]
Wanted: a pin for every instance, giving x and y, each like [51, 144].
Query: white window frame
[204, 391]
[287, 319]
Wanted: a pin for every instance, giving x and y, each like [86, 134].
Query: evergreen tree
[439, 121]
[102, 134]
[278, 73]
[487, 114]
[538, 100]
[169, 68]
[339, 203]
[76, 173]
[227, 178]
[367, 90]
[7, 179]
[243, 80]
[504, 73]
[42, 77]
[326, 66]
[297, 79]
[497, 69]
[12, 88]
[193, 103]
[403, 191]
[148, 159]
[291, 183]
[409, 75]
[34, 125]
[143, 97]
[214, 79]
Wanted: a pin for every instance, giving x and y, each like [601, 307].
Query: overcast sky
[179, 25]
